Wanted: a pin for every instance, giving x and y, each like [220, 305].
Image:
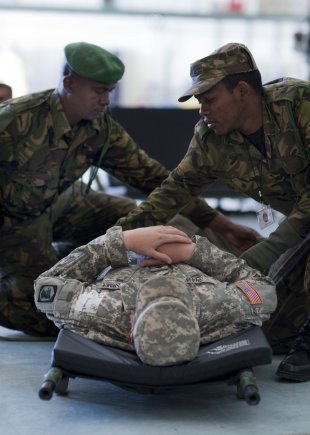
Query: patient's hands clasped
[163, 244]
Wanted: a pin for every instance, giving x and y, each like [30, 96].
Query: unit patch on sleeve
[250, 292]
[47, 293]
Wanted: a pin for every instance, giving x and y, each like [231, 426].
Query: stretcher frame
[231, 359]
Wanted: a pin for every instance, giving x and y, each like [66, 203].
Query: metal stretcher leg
[247, 388]
[54, 380]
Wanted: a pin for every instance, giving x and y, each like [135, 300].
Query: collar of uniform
[269, 121]
[96, 125]
[232, 138]
[60, 123]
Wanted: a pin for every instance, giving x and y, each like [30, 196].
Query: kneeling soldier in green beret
[48, 140]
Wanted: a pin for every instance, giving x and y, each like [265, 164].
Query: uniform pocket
[100, 303]
[29, 192]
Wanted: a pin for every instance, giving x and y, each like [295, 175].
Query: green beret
[232, 58]
[93, 62]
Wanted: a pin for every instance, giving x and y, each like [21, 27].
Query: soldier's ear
[68, 83]
[243, 89]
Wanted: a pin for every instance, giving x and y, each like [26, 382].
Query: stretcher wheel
[46, 391]
[247, 388]
[54, 380]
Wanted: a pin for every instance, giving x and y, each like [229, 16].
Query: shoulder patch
[250, 292]
[285, 88]
[47, 293]
[29, 101]
[18, 105]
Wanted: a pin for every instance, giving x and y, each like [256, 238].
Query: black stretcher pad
[81, 357]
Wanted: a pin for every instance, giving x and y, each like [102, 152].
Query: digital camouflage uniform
[41, 158]
[282, 177]
[74, 296]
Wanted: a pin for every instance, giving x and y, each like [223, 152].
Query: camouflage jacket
[283, 177]
[41, 156]
[76, 295]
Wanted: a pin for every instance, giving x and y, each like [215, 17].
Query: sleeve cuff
[115, 247]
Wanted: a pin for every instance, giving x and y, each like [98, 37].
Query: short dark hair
[253, 78]
[66, 70]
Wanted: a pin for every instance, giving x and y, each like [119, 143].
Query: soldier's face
[5, 94]
[89, 98]
[222, 109]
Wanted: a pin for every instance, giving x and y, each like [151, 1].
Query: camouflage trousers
[291, 274]
[28, 248]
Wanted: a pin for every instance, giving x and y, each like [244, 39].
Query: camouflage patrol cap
[165, 331]
[94, 62]
[232, 58]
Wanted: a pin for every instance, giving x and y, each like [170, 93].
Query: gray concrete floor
[97, 407]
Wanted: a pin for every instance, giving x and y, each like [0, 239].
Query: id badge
[265, 216]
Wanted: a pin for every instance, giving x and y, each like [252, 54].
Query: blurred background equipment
[157, 40]
[302, 43]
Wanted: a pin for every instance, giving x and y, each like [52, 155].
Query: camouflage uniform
[40, 158]
[102, 309]
[282, 177]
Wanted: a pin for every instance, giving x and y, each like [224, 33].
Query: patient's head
[165, 331]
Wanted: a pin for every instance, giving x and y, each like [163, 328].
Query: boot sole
[293, 376]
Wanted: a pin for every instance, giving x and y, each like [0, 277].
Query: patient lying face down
[154, 291]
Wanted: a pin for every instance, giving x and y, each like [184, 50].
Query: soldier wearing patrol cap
[162, 313]
[256, 139]
[48, 140]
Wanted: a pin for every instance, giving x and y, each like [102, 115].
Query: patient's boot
[296, 364]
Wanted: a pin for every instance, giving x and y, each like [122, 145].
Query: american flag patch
[250, 292]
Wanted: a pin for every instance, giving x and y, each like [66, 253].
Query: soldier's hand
[147, 240]
[240, 236]
[265, 253]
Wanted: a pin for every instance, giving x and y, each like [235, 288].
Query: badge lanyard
[264, 214]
